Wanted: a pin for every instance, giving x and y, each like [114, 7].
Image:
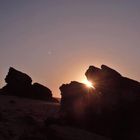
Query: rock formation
[20, 84]
[77, 102]
[111, 109]
[41, 92]
[74, 96]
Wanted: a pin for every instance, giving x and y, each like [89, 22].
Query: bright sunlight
[88, 83]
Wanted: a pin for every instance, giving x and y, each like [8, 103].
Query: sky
[55, 41]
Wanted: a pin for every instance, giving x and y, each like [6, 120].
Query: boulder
[18, 83]
[111, 109]
[76, 101]
[41, 92]
[119, 94]
[109, 81]
[17, 77]
[104, 79]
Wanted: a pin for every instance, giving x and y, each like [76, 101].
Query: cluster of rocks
[111, 109]
[20, 84]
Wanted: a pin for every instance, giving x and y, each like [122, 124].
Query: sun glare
[88, 83]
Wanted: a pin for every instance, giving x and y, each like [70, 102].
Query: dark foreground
[24, 119]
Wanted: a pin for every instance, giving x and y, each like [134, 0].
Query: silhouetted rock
[41, 92]
[20, 84]
[104, 79]
[16, 77]
[76, 101]
[120, 100]
[111, 109]
[108, 81]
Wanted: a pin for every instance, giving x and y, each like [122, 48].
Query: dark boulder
[41, 92]
[108, 81]
[111, 109]
[104, 79]
[76, 101]
[18, 83]
[120, 100]
[18, 77]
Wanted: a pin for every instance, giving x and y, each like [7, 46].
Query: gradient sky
[55, 41]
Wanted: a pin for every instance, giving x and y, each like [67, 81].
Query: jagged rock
[20, 84]
[17, 77]
[111, 109]
[107, 81]
[120, 99]
[75, 102]
[104, 79]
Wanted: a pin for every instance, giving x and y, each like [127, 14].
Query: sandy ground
[23, 119]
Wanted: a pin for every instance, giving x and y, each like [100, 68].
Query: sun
[88, 83]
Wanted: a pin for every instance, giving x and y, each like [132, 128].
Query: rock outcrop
[108, 81]
[74, 96]
[41, 92]
[17, 83]
[20, 84]
[77, 102]
[111, 109]
[38, 88]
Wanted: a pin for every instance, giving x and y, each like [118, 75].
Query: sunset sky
[55, 41]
